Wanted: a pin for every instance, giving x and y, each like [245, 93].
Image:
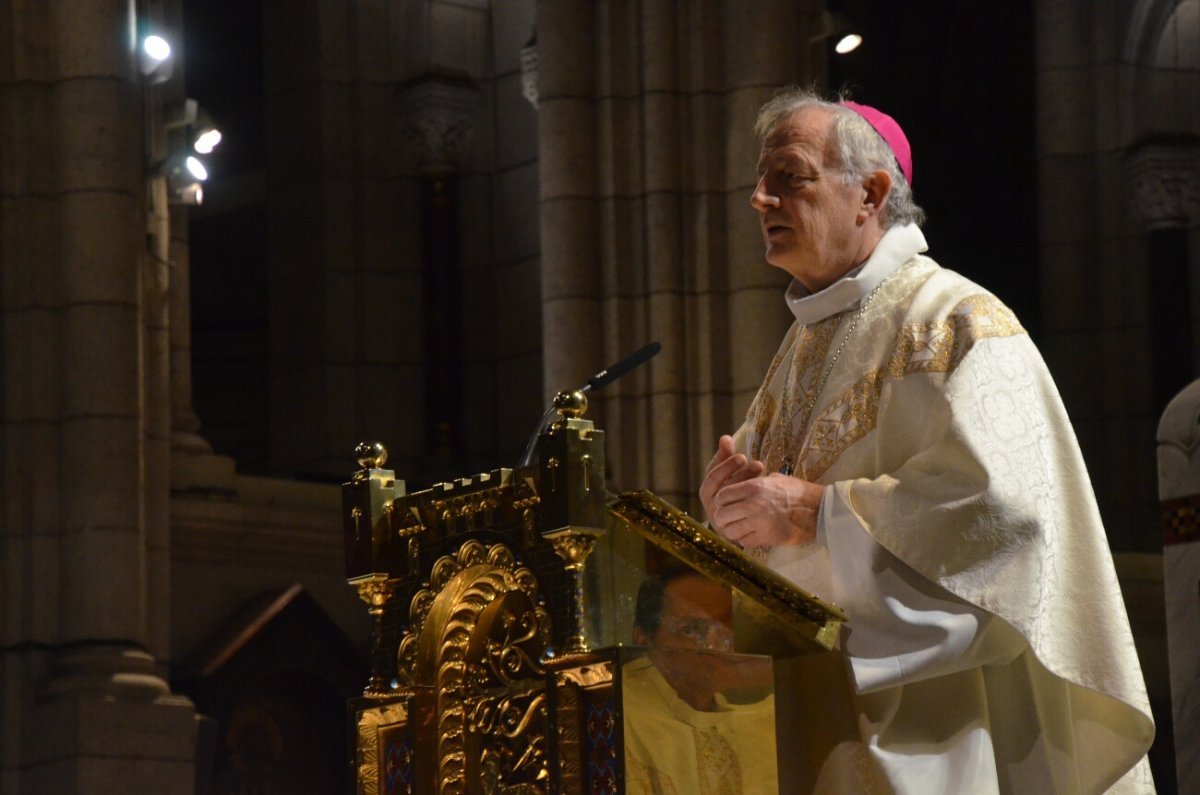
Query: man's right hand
[726, 468]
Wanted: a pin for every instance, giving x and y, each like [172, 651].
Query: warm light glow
[848, 43]
[196, 168]
[207, 141]
[156, 47]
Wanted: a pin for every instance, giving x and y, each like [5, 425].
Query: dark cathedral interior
[424, 219]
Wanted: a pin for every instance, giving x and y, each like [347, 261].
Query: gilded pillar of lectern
[533, 634]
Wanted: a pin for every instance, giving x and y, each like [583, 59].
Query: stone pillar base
[86, 745]
[106, 722]
[211, 474]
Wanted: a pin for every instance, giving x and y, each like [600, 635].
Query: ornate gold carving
[574, 546]
[600, 673]
[376, 590]
[568, 719]
[513, 746]
[509, 627]
[480, 626]
[569, 684]
[370, 721]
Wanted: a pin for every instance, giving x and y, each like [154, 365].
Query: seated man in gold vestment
[908, 457]
[683, 733]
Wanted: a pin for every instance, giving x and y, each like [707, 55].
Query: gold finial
[571, 404]
[371, 455]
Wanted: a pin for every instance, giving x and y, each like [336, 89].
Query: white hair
[860, 149]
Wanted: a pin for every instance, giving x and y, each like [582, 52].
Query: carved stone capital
[529, 73]
[1164, 182]
[437, 121]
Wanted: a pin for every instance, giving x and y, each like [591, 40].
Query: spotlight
[203, 134]
[848, 43]
[184, 187]
[183, 173]
[827, 25]
[156, 59]
[189, 194]
[196, 168]
[156, 48]
[207, 140]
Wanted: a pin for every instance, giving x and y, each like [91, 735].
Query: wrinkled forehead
[805, 131]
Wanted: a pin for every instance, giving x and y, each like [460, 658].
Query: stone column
[185, 425]
[647, 159]
[86, 416]
[1179, 490]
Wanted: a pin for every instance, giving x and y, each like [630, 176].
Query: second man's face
[809, 215]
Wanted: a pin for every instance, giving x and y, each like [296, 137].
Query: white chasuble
[987, 639]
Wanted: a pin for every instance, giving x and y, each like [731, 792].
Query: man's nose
[761, 199]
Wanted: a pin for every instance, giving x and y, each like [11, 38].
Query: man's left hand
[776, 510]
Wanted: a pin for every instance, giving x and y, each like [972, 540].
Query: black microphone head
[613, 372]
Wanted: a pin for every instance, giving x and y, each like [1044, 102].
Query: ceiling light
[156, 59]
[196, 168]
[207, 140]
[848, 43]
[202, 132]
[829, 25]
[157, 48]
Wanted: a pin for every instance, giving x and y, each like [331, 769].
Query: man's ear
[875, 191]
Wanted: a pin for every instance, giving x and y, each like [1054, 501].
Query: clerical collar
[897, 246]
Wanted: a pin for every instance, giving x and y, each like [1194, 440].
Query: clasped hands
[755, 509]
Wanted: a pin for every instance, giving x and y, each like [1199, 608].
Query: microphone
[595, 383]
[613, 372]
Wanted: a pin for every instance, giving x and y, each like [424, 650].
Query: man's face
[812, 222]
[697, 614]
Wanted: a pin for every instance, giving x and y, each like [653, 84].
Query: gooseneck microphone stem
[594, 384]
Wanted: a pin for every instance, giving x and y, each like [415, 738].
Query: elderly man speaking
[908, 455]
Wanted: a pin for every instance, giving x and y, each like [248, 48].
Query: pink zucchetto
[890, 131]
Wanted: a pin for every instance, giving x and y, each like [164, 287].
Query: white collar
[897, 246]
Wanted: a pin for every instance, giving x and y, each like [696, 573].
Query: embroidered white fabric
[988, 640]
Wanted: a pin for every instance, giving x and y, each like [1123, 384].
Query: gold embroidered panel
[844, 418]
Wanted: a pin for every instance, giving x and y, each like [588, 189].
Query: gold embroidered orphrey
[927, 347]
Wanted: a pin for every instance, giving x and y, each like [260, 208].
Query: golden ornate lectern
[504, 612]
